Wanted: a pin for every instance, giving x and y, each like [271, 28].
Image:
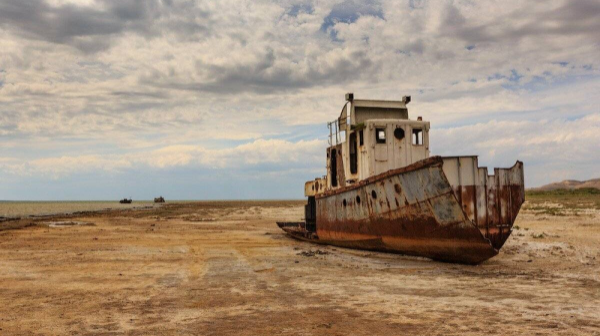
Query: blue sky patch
[514, 76]
[348, 12]
[300, 8]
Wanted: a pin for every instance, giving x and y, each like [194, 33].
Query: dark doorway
[310, 214]
[353, 154]
[333, 167]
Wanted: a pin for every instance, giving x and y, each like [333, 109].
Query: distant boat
[159, 199]
[126, 201]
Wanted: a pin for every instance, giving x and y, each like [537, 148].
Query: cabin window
[380, 135]
[353, 154]
[399, 133]
[417, 136]
[361, 139]
[333, 168]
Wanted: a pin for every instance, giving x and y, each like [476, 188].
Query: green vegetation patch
[569, 200]
[563, 192]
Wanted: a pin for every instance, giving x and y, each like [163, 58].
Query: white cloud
[165, 84]
[550, 149]
[257, 153]
[267, 154]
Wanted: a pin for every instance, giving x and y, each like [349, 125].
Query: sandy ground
[223, 268]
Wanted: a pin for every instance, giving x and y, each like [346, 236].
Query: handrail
[337, 130]
[334, 131]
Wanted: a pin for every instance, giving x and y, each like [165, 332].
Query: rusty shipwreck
[383, 191]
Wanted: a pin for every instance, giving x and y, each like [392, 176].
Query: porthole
[357, 199]
[373, 194]
[399, 133]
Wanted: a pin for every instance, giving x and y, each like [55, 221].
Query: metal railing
[336, 128]
[334, 132]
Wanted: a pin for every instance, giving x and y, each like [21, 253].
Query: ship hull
[416, 211]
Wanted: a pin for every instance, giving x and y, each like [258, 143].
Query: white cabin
[369, 138]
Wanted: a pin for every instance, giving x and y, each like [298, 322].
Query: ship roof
[363, 109]
[388, 104]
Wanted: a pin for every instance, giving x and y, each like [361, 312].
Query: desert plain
[225, 268]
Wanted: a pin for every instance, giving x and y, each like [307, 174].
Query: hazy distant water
[22, 209]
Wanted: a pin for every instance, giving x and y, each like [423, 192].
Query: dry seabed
[218, 268]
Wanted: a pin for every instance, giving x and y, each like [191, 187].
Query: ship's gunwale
[429, 162]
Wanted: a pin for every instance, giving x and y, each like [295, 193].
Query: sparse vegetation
[562, 202]
[14, 225]
[563, 192]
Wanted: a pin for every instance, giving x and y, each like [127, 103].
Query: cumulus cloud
[268, 155]
[190, 83]
[551, 149]
[89, 25]
[570, 19]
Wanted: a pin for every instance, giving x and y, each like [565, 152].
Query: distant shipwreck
[384, 192]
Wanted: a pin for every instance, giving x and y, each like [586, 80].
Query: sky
[105, 99]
